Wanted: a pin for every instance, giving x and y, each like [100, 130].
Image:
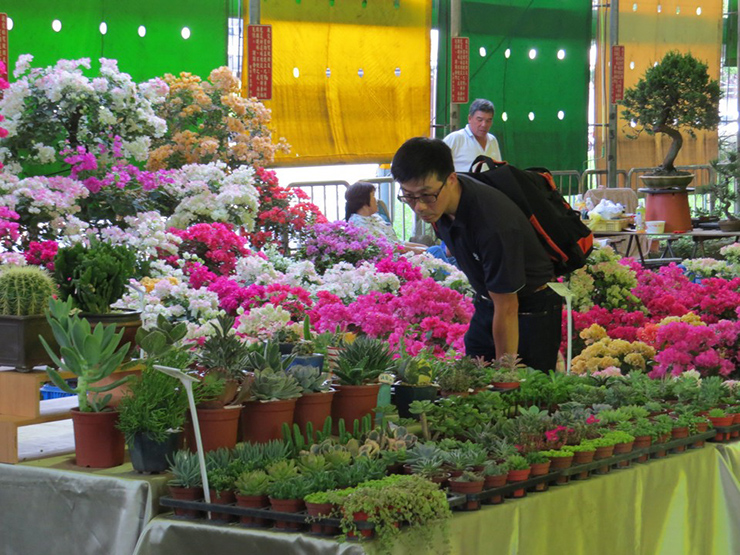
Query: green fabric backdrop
[161, 50]
[519, 85]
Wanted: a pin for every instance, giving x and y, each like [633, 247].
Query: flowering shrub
[216, 245]
[731, 253]
[602, 352]
[340, 241]
[3, 85]
[618, 323]
[49, 109]
[285, 214]
[42, 254]
[9, 228]
[710, 267]
[604, 282]
[261, 322]
[210, 121]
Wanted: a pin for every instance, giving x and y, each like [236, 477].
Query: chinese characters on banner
[4, 43]
[460, 70]
[617, 73]
[259, 61]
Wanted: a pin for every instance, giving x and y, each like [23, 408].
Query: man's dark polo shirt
[495, 246]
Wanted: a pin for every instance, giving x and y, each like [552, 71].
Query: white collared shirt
[466, 148]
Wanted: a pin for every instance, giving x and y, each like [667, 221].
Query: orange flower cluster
[209, 121]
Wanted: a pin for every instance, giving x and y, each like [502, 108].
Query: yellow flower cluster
[602, 352]
[688, 318]
[149, 283]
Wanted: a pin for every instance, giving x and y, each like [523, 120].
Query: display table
[53, 506]
[685, 503]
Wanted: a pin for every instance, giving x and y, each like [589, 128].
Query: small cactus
[25, 290]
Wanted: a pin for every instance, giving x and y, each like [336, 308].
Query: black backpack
[565, 237]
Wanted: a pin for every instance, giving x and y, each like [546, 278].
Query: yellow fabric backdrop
[647, 35]
[345, 117]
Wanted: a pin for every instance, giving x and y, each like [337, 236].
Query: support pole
[611, 159]
[454, 32]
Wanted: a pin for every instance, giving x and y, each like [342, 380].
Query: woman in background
[361, 210]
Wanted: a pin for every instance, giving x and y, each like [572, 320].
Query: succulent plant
[310, 378]
[308, 463]
[282, 470]
[25, 290]
[363, 360]
[427, 467]
[185, 470]
[271, 385]
[268, 358]
[223, 352]
[255, 482]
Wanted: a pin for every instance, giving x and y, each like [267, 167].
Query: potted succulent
[221, 478]
[304, 350]
[519, 470]
[454, 378]
[494, 475]
[271, 396]
[314, 404]
[416, 377]
[186, 483]
[720, 418]
[221, 361]
[319, 505]
[90, 355]
[675, 93]
[559, 460]
[468, 483]
[251, 492]
[505, 372]
[24, 296]
[95, 277]
[286, 495]
[359, 366]
[153, 412]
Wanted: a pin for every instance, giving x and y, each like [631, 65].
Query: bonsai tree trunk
[676, 144]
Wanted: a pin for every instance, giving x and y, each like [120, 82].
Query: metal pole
[454, 32]
[611, 159]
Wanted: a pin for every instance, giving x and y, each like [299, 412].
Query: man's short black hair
[420, 158]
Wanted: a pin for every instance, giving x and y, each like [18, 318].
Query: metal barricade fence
[568, 183]
[327, 195]
[592, 179]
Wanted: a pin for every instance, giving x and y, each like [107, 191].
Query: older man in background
[468, 143]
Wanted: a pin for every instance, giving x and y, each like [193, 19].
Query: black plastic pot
[407, 394]
[148, 456]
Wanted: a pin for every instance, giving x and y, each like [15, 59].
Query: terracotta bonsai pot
[98, 443]
[252, 502]
[218, 428]
[226, 497]
[187, 494]
[287, 506]
[468, 488]
[263, 421]
[314, 408]
[494, 482]
[505, 385]
[353, 402]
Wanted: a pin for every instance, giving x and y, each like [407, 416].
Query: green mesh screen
[161, 50]
[519, 85]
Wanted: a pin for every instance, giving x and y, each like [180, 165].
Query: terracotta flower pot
[640, 443]
[218, 428]
[700, 428]
[252, 502]
[468, 488]
[603, 453]
[287, 506]
[621, 449]
[361, 517]
[721, 422]
[98, 443]
[263, 421]
[494, 482]
[314, 408]
[583, 457]
[353, 402]
[518, 476]
[540, 469]
[561, 463]
[735, 420]
[225, 497]
[187, 494]
[505, 385]
[319, 510]
[680, 432]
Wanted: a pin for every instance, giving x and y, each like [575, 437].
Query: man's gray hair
[481, 105]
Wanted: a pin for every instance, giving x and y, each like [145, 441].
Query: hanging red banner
[259, 61]
[460, 70]
[617, 73]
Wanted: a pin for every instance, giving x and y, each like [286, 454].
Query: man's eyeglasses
[429, 198]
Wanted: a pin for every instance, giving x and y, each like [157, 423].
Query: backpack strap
[481, 161]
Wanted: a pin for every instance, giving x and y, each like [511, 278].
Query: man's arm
[505, 323]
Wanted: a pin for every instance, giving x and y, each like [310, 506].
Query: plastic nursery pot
[287, 506]
[561, 463]
[660, 453]
[518, 476]
[98, 442]
[540, 469]
[314, 408]
[405, 394]
[583, 457]
[252, 502]
[735, 420]
[603, 453]
[318, 510]
[494, 482]
[700, 428]
[263, 421]
[187, 494]
[218, 428]
[352, 402]
[468, 488]
[150, 457]
[680, 433]
[225, 497]
[621, 449]
[361, 517]
[640, 443]
[721, 421]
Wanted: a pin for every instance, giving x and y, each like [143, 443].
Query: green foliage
[517, 462]
[617, 437]
[363, 360]
[154, 405]
[495, 469]
[418, 370]
[282, 469]
[160, 340]
[95, 276]
[310, 378]
[676, 93]
[271, 385]
[89, 355]
[536, 457]
[295, 487]
[723, 191]
[223, 352]
[604, 282]
[469, 476]
[185, 470]
[557, 453]
[255, 483]
[455, 376]
[25, 290]
[249, 455]
[269, 358]
[717, 413]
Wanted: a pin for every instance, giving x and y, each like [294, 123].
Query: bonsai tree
[677, 93]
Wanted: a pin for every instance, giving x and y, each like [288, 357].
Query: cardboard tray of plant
[302, 517]
[611, 462]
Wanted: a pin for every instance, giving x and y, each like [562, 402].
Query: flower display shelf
[612, 462]
[302, 517]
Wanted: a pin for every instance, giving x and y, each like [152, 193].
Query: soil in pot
[263, 421]
[98, 443]
[149, 456]
[353, 402]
